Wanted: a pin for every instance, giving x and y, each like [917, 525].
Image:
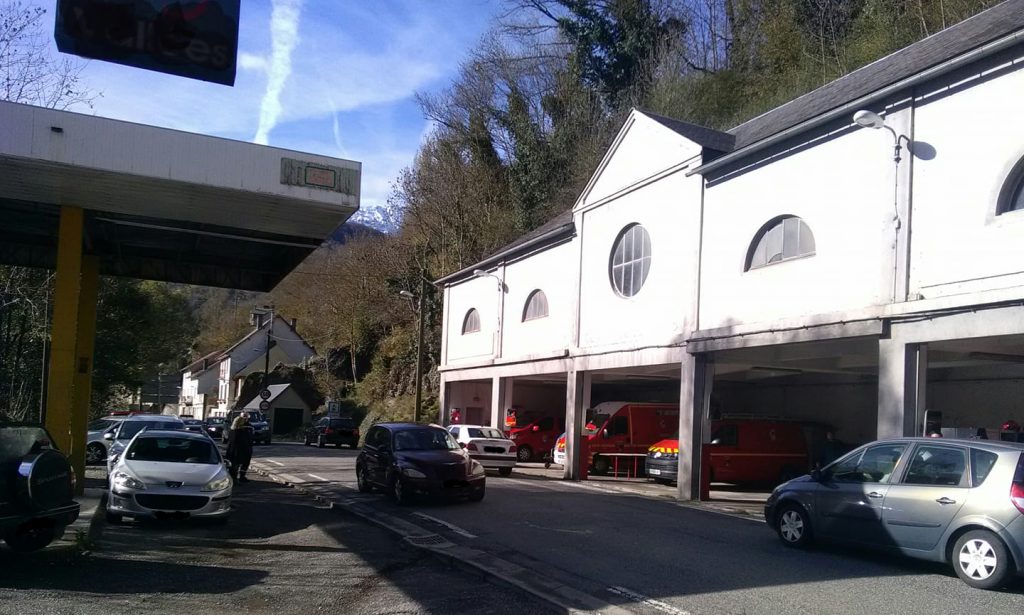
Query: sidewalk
[725, 499]
[83, 533]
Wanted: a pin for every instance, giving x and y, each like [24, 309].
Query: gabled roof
[701, 135]
[276, 390]
[197, 365]
[955, 40]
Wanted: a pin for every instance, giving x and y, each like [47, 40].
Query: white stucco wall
[552, 272]
[669, 210]
[843, 189]
[977, 132]
[482, 295]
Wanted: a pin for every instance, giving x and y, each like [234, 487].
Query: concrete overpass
[88, 196]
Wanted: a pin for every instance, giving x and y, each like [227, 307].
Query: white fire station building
[853, 257]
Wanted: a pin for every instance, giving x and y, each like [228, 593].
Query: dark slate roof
[701, 135]
[197, 365]
[955, 40]
[559, 226]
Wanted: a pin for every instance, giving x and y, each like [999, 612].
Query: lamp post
[419, 348]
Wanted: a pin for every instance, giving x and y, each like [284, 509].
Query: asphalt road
[280, 553]
[652, 555]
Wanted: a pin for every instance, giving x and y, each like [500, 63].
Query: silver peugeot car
[169, 473]
[960, 502]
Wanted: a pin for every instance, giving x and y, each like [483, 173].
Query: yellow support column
[83, 365]
[67, 287]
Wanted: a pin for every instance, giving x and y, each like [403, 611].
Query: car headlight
[656, 454]
[413, 473]
[477, 469]
[127, 481]
[217, 484]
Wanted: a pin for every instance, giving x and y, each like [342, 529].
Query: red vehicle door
[723, 448]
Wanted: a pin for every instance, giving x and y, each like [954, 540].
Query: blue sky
[332, 77]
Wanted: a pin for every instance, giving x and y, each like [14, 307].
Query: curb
[471, 560]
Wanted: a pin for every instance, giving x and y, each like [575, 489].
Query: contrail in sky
[284, 36]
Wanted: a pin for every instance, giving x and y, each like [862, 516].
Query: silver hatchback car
[960, 502]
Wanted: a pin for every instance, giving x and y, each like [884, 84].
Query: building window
[631, 260]
[782, 239]
[536, 306]
[1012, 196]
[471, 323]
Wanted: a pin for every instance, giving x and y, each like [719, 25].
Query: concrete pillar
[443, 395]
[577, 400]
[83, 365]
[60, 384]
[902, 380]
[497, 399]
[696, 383]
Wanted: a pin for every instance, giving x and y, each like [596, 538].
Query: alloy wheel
[94, 454]
[791, 526]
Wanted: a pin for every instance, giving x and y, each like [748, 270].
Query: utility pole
[266, 358]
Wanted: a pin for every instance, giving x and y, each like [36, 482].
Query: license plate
[654, 472]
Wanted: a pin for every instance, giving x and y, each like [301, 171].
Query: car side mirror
[816, 475]
[108, 436]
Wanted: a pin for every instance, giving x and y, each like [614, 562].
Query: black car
[336, 431]
[259, 422]
[37, 487]
[214, 427]
[409, 459]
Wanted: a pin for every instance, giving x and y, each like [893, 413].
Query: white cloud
[284, 37]
[251, 61]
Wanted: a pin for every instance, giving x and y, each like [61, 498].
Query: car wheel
[793, 526]
[980, 559]
[306, 441]
[32, 536]
[663, 481]
[363, 480]
[504, 471]
[601, 465]
[524, 454]
[94, 454]
[400, 492]
[320, 442]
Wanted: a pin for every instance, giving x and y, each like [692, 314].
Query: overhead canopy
[162, 204]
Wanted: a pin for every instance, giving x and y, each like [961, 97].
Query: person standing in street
[240, 447]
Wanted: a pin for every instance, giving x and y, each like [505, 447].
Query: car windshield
[425, 440]
[215, 421]
[485, 432]
[101, 424]
[173, 450]
[594, 423]
[18, 441]
[130, 428]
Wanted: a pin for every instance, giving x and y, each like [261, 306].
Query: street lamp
[419, 348]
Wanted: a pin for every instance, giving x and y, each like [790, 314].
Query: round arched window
[630, 261]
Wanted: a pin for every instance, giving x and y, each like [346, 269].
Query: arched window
[471, 323]
[1011, 198]
[783, 238]
[630, 260]
[536, 306]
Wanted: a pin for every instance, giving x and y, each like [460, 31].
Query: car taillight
[471, 447]
[355, 433]
[513, 448]
[328, 430]
[1017, 496]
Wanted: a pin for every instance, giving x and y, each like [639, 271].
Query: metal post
[266, 358]
[68, 284]
[419, 354]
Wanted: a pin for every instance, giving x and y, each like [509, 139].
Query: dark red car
[336, 431]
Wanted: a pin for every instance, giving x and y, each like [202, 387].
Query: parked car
[535, 439]
[131, 426]
[960, 502]
[260, 426]
[214, 427]
[169, 473]
[333, 430]
[625, 428]
[37, 488]
[745, 451]
[558, 455]
[96, 446]
[409, 459]
[487, 445]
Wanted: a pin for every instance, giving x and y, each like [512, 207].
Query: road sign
[264, 406]
[197, 39]
[265, 394]
[333, 408]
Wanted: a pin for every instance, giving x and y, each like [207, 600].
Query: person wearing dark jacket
[240, 447]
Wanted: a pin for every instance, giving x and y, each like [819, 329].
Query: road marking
[277, 463]
[555, 529]
[318, 477]
[644, 600]
[458, 530]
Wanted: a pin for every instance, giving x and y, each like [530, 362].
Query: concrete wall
[482, 295]
[472, 394]
[975, 397]
[551, 272]
[539, 398]
[976, 130]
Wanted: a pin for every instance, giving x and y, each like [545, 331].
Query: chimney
[206, 363]
[293, 321]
